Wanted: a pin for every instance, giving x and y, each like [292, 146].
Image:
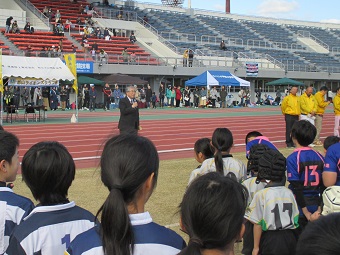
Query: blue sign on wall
[84, 67]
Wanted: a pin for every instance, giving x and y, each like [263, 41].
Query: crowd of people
[225, 202]
[311, 108]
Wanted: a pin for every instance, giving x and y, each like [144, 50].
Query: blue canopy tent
[217, 78]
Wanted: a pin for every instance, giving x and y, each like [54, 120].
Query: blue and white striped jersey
[150, 239]
[13, 208]
[49, 229]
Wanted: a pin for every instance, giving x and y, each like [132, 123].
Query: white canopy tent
[45, 70]
[38, 68]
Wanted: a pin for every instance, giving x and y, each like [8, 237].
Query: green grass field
[88, 191]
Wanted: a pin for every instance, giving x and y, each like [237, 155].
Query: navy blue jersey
[259, 140]
[150, 239]
[13, 208]
[332, 161]
[49, 229]
[305, 166]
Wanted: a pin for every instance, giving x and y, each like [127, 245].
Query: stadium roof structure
[285, 81]
[173, 3]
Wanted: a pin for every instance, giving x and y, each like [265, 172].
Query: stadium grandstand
[306, 51]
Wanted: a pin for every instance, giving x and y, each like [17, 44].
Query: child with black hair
[256, 151]
[126, 228]
[13, 208]
[330, 140]
[320, 237]
[211, 213]
[331, 173]
[48, 170]
[304, 171]
[203, 150]
[154, 100]
[223, 162]
[273, 210]
[255, 137]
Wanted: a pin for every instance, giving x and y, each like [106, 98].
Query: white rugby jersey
[230, 164]
[13, 208]
[150, 239]
[252, 187]
[274, 208]
[49, 229]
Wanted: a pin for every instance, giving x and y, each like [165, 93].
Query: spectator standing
[154, 100]
[173, 97]
[241, 95]
[223, 96]
[13, 207]
[25, 96]
[203, 96]
[148, 95]
[258, 95]
[196, 97]
[321, 105]
[107, 96]
[330, 96]
[37, 98]
[54, 99]
[93, 96]
[336, 105]
[178, 96]
[213, 96]
[16, 97]
[63, 97]
[190, 58]
[290, 108]
[186, 95]
[8, 24]
[168, 95]
[86, 104]
[161, 95]
[117, 94]
[185, 58]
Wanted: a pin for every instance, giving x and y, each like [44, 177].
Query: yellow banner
[1, 83]
[70, 60]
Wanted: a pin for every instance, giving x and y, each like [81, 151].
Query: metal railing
[307, 34]
[36, 12]
[117, 14]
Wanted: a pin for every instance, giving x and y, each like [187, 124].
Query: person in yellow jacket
[308, 106]
[185, 57]
[290, 107]
[336, 104]
[321, 105]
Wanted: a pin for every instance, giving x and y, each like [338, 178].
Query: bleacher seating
[324, 61]
[275, 33]
[115, 47]
[319, 33]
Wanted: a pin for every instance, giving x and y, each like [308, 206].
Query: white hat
[52, 46]
[331, 200]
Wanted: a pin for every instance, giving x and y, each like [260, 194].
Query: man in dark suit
[129, 114]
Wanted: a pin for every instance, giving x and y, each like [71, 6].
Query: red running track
[174, 138]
